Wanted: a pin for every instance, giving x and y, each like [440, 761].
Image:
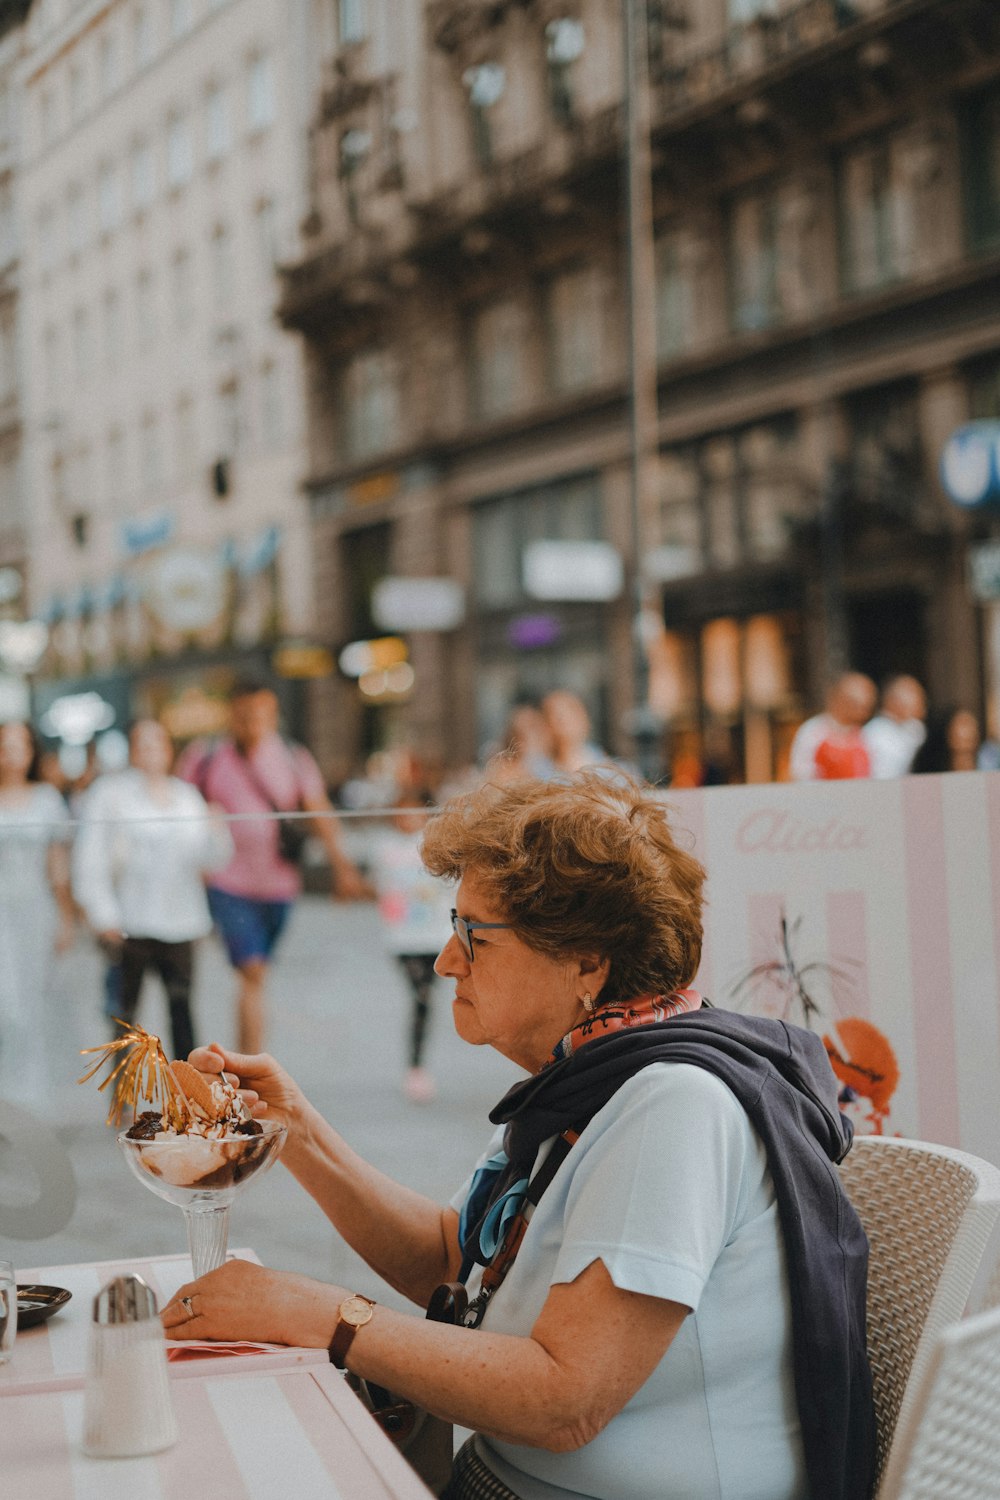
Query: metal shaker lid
[126, 1299]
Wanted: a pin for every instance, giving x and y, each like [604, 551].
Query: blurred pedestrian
[565, 714]
[952, 743]
[525, 748]
[36, 909]
[830, 746]
[146, 840]
[415, 909]
[255, 770]
[896, 733]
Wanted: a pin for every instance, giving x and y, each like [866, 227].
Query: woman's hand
[267, 1090]
[242, 1300]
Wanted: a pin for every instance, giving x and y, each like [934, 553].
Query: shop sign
[418, 603]
[374, 489]
[23, 644]
[302, 660]
[186, 590]
[143, 533]
[586, 572]
[984, 571]
[359, 657]
[76, 717]
[970, 464]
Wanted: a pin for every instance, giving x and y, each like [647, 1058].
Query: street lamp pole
[642, 363]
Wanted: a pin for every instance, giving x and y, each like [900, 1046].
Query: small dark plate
[36, 1303]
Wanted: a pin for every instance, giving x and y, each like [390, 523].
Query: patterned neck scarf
[495, 1202]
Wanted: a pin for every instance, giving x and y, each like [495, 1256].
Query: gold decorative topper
[142, 1072]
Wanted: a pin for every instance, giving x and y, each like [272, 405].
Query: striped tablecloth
[250, 1436]
[53, 1355]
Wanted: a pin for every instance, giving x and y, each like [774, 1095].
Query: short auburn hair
[584, 867]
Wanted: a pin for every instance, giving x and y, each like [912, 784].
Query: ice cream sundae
[195, 1144]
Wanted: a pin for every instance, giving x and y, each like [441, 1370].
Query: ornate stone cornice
[456, 25]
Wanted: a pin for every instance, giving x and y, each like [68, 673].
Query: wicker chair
[928, 1212]
[947, 1447]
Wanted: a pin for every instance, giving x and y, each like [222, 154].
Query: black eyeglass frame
[464, 929]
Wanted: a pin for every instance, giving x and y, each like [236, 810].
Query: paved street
[340, 1013]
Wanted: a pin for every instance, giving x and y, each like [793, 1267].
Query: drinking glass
[202, 1177]
[8, 1309]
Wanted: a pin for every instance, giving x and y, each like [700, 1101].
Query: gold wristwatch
[355, 1311]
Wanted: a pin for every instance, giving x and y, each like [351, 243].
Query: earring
[587, 1003]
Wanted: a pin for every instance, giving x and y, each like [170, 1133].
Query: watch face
[356, 1310]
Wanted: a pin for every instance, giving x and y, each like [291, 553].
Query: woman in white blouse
[146, 839]
[36, 911]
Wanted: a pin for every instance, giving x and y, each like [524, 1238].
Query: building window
[109, 64]
[223, 269]
[109, 198]
[8, 226]
[673, 297]
[111, 314]
[77, 94]
[52, 363]
[185, 439]
[143, 37]
[229, 414]
[741, 11]
[271, 413]
[217, 140]
[75, 226]
[564, 43]
[266, 227]
[145, 310]
[143, 175]
[500, 359]
[8, 355]
[260, 94]
[150, 456]
[82, 346]
[569, 511]
[373, 405]
[46, 226]
[180, 155]
[352, 21]
[47, 123]
[867, 217]
[753, 261]
[115, 478]
[486, 84]
[981, 154]
[180, 18]
[182, 290]
[576, 316]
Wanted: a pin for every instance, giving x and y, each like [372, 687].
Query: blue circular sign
[970, 464]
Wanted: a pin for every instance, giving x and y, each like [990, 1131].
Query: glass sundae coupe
[202, 1176]
[197, 1147]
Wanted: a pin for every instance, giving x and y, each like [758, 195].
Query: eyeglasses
[463, 930]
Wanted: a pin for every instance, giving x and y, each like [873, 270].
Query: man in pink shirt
[256, 771]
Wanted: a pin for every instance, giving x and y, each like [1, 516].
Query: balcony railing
[753, 47]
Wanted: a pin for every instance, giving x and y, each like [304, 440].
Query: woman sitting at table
[683, 1314]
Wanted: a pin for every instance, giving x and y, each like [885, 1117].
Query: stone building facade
[826, 202]
[162, 180]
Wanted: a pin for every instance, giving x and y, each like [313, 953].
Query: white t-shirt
[669, 1186]
[892, 744]
[138, 863]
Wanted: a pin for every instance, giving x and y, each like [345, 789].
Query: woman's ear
[595, 972]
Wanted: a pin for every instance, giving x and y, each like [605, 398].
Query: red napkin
[178, 1349]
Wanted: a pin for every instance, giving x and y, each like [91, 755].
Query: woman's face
[511, 998]
[16, 749]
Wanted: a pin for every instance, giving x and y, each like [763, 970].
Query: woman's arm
[57, 862]
[590, 1350]
[410, 1241]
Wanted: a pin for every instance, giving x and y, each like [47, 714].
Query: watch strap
[343, 1334]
